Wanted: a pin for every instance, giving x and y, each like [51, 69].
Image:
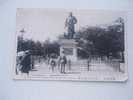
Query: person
[18, 65]
[58, 62]
[26, 63]
[63, 61]
[69, 64]
[70, 25]
[32, 62]
[52, 64]
[88, 63]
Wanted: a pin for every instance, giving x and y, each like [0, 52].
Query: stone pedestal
[69, 48]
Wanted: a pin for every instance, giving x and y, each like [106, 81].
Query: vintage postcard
[65, 44]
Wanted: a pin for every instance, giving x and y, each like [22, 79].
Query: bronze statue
[70, 25]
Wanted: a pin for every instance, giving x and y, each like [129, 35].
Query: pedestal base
[69, 48]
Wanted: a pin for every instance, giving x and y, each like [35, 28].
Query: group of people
[60, 63]
[25, 62]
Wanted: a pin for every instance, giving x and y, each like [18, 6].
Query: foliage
[102, 41]
[38, 48]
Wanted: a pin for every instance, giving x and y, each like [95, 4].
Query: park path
[77, 67]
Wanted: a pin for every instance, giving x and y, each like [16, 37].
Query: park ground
[78, 69]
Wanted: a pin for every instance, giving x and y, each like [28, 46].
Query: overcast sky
[41, 24]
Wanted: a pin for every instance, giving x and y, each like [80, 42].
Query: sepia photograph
[70, 44]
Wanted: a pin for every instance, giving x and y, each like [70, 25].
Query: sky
[42, 24]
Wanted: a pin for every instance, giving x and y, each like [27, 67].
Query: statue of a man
[70, 25]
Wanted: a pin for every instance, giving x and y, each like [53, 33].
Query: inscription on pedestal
[69, 48]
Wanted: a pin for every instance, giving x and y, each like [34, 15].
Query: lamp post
[22, 31]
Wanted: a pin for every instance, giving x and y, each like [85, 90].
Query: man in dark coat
[26, 63]
[63, 61]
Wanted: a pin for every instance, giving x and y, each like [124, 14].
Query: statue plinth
[69, 48]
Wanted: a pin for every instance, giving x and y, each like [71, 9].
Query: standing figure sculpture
[70, 25]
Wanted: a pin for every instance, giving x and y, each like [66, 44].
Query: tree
[37, 47]
[102, 41]
[89, 39]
